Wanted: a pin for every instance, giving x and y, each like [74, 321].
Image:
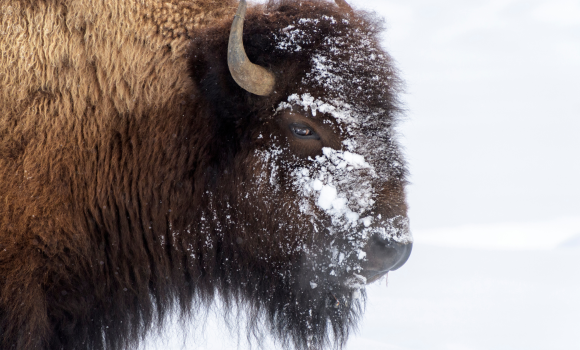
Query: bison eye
[303, 132]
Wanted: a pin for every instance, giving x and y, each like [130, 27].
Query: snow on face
[337, 184]
[343, 184]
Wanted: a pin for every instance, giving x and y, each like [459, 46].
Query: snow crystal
[330, 184]
[338, 109]
[356, 281]
[327, 197]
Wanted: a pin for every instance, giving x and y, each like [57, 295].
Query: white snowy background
[492, 137]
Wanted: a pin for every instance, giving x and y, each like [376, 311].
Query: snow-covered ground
[469, 299]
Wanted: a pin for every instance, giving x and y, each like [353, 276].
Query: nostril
[385, 256]
[403, 252]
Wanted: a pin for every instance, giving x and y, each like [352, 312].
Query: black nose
[383, 256]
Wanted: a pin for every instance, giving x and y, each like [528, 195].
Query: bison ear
[344, 5]
[249, 76]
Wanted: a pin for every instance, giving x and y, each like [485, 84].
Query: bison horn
[343, 5]
[249, 76]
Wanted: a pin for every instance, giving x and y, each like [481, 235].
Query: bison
[155, 156]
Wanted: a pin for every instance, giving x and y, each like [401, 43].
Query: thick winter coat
[137, 176]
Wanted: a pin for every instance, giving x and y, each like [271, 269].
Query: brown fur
[107, 150]
[70, 73]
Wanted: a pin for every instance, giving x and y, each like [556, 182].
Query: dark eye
[303, 132]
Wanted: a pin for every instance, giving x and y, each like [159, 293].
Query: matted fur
[122, 135]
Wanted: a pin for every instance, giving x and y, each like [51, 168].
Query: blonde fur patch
[61, 58]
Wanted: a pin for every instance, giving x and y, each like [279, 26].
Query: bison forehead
[346, 60]
[352, 80]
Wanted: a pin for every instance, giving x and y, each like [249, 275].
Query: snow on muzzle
[343, 189]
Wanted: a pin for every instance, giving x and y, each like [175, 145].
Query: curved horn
[251, 77]
[344, 5]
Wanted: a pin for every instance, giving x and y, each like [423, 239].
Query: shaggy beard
[299, 315]
[280, 269]
[295, 296]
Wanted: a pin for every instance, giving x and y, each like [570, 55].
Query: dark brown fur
[119, 141]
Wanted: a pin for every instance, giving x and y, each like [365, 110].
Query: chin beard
[303, 314]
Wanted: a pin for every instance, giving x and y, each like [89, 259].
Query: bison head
[304, 200]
